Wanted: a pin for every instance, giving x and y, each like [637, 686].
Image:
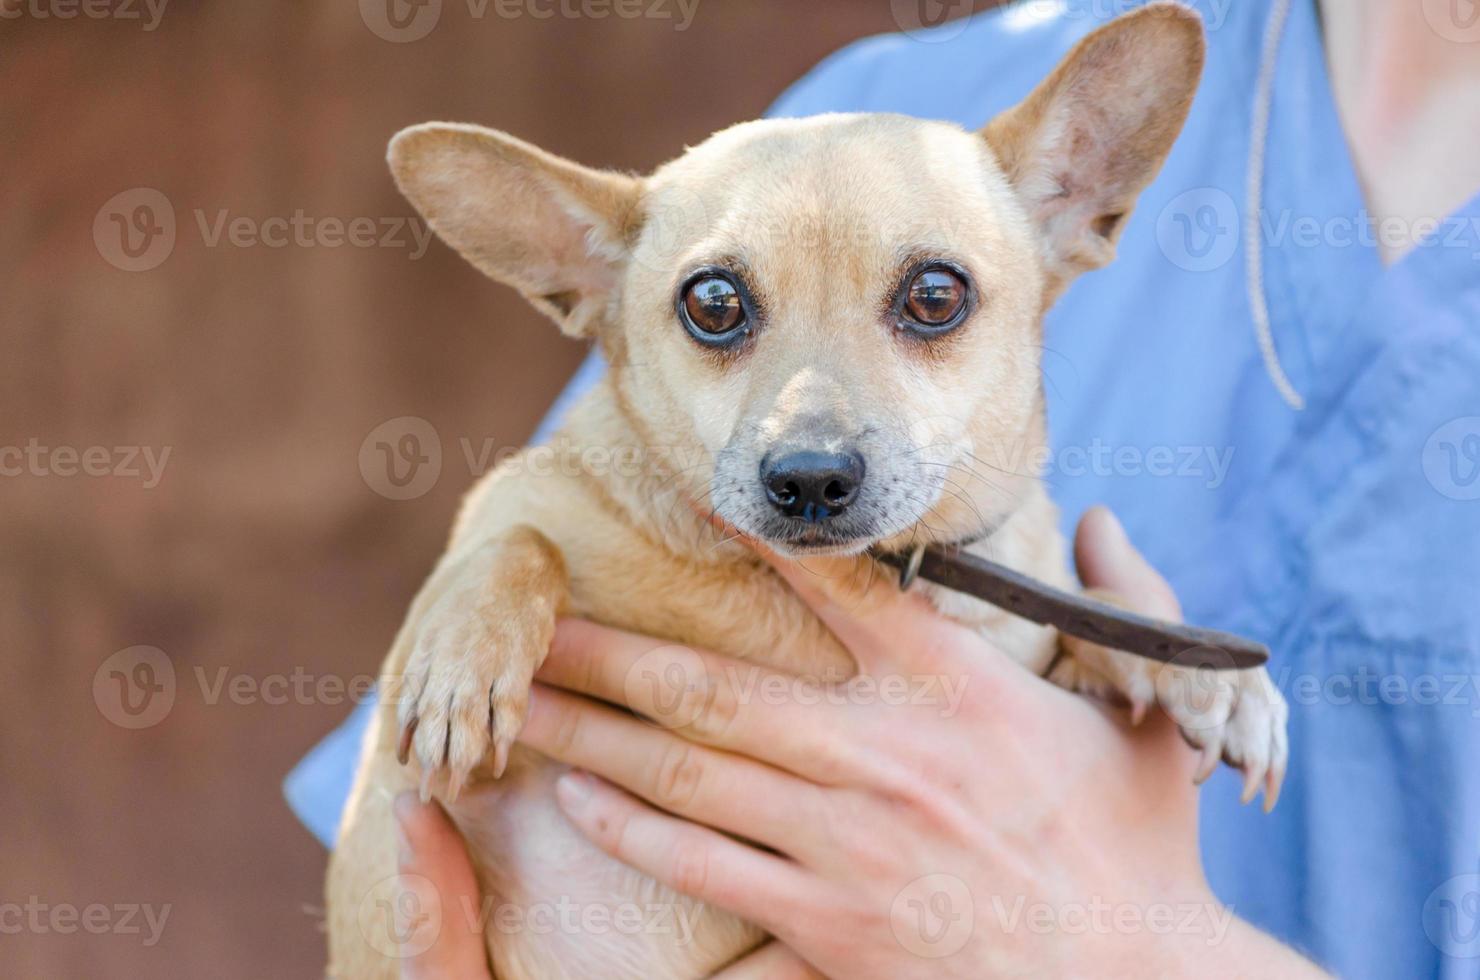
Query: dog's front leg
[483, 630]
[1238, 716]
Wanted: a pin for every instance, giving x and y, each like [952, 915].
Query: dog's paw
[465, 691]
[1236, 716]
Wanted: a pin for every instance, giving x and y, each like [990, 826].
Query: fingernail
[573, 791]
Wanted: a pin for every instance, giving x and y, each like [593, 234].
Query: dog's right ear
[1080, 149]
[555, 230]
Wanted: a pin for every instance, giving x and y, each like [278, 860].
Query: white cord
[1274, 32]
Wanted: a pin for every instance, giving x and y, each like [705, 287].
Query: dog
[812, 327]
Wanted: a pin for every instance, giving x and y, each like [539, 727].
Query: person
[1276, 386]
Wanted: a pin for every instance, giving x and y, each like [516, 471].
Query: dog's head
[834, 322]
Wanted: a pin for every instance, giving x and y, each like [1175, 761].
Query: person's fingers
[693, 860]
[886, 630]
[726, 791]
[432, 853]
[1106, 559]
[772, 961]
[732, 705]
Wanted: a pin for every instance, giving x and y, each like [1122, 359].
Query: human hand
[1022, 829]
[1029, 830]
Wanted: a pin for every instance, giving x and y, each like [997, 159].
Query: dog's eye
[712, 308]
[935, 298]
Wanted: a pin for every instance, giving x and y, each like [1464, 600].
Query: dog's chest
[742, 609]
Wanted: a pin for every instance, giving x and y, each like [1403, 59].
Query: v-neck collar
[1322, 267]
[1312, 226]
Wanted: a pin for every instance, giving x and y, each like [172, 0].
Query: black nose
[812, 486]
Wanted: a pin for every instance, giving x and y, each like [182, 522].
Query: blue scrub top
[1347, 535]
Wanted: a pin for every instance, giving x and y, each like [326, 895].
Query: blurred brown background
[262, 551]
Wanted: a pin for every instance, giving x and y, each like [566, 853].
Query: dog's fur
[820, 217]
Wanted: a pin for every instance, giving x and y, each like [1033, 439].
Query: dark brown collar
[1077, 615]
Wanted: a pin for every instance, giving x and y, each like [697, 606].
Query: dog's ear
[556, 231]
[1087, 141]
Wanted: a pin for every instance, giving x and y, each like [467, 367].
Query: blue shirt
[1346, 535]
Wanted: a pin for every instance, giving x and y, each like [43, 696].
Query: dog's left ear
[554, 230]
[1087, 141]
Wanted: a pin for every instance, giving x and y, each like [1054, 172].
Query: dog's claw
[1252, 777]
[1211, 754]
[500, 757]
[1138, 713]
[1273, 781]
[408, 732]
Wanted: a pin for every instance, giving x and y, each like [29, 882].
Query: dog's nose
[812, 486]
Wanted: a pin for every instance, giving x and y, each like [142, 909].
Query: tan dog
[814, 328]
